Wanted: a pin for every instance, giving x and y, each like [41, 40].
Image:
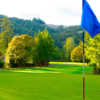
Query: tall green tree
[57, 54]
[69, 46]
[44, 48]
[5, 35]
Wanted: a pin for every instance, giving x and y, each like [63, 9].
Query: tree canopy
[92, 50]
[69, 46]
[77, 54]
[19, 50]
[44, 48]
[6, 34]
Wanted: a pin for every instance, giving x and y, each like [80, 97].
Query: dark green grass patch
[72, 69]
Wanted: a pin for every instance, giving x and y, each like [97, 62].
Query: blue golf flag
[89, 21]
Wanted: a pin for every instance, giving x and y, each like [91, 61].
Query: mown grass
[64, 84]
[58, 68]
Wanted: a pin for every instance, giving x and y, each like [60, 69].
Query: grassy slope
[47, 86]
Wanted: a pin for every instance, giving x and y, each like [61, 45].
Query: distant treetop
[38, 21]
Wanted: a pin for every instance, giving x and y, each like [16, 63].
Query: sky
[58, 12]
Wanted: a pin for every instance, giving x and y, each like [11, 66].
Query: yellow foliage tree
[19, 50]
[69, 46]
[77, 54]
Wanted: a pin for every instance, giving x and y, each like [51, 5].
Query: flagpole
[83, 67]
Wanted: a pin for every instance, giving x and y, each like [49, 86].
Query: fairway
[65, 85]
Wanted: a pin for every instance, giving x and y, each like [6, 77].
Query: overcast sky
[60, 12]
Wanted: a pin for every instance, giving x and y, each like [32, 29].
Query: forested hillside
[58, 32]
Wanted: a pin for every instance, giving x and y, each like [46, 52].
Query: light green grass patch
[38, 71]
[69, 63]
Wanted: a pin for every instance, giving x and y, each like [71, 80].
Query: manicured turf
[64, 84]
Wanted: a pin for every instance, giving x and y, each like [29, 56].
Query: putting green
[66, 85]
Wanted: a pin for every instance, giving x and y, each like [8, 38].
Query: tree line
[59, 33]
[39, 49]
[20, 50]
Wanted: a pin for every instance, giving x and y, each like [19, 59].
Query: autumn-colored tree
[69, 46]
[19, 50]
[77, 54]
[92, 50]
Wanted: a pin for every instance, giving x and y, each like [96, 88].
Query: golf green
[48, 86]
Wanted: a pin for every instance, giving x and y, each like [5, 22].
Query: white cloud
[66, 12]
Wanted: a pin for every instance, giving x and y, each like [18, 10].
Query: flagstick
[83, 68]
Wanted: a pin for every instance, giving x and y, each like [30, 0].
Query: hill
[58, 32]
